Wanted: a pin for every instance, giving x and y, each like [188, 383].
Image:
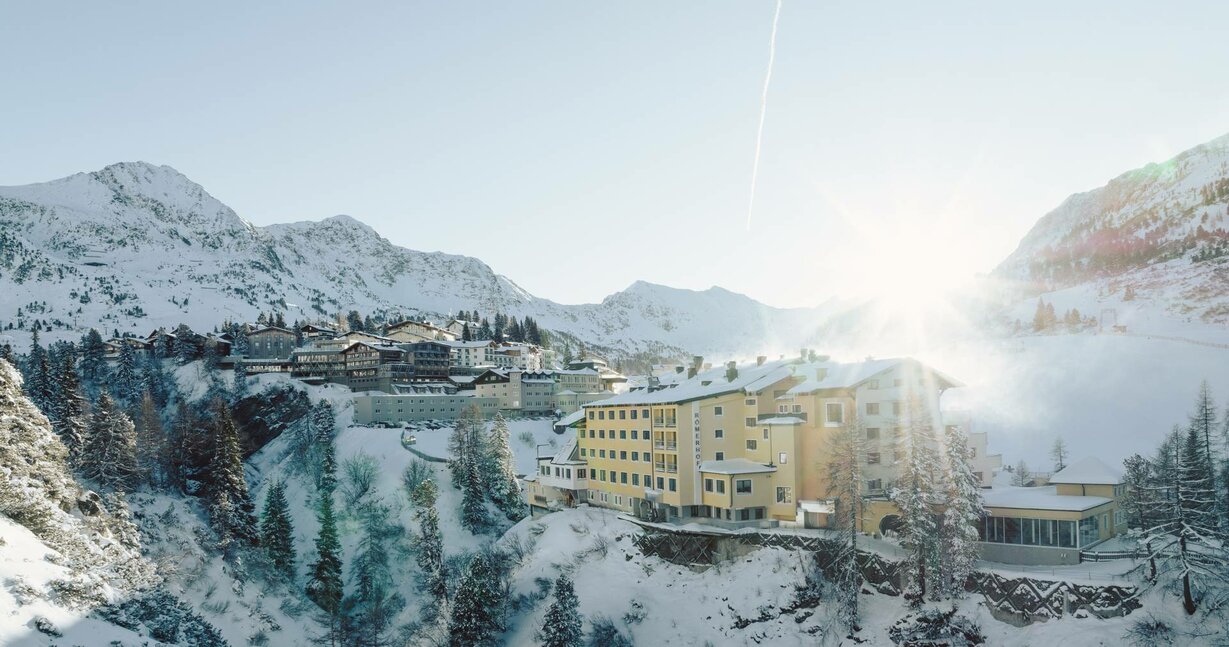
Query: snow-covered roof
[567, 454]
[1088, 471]
[782, 420]
[271, 329]
[571, 418]
[843, 375]
[1039, 498]
[750, 378]
[465, 344]
[735, 466]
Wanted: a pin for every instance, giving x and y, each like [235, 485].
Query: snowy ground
[526, 435]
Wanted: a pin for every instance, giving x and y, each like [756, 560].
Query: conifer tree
[562, 626]
[466, 444]
[474, 514]
[37, 374]
[71, 422]
[1139, 500]
[845, 485]
[369, 613]
[240, 388]
[231, 509]
[429, 544]
[125, 383]
[109, 456]
[151, 443]
[914, 495]
[961, 516]
[324, 585]
[93, 357]
[499, 471]
[277, 531]
[476, 619]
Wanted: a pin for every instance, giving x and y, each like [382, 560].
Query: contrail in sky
[759, 134]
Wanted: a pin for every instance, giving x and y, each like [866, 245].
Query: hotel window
[719, 456]
[872, 458]
[835, 413]
[622, 414]
[661, 483]
[635, 434]
[751, 444]
[718, 411]
[720, 486]
[797, 408]
[742, 486]
[782, 458]
[635, 479]
[749, 402]
[647, 457]
[674, 485]
[622, 434]
[708, 485]
[601, 415]
[872, 384]
[591, 433]
[718, 433]
[872, 433]
[874, 485]
[601, 433]
[644, 413]
[601, 475]
[785, 495]
[622, 456]
[750, 422]
[618, 500]
[623, 478]
[636, 456]
[603, 453]
[580, 473]
[872, 408]
[765, 433]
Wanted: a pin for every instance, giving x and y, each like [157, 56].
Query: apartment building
[418, 402]
[538, 392]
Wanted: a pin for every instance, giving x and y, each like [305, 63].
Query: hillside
[136, 246]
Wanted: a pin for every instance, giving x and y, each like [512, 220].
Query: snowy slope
[135, 246]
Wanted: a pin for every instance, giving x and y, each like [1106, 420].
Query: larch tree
[562, 626]
[277, 530]
[465, 444]
[1058, 453]
[1022, 476]
[109, 456]
[151, 442]
[962, 514]
[848, 451]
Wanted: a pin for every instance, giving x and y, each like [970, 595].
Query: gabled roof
[1088, 471]
[270, 329]
[843, 375]
[751, 378]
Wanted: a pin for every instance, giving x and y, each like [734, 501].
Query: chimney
[759, 361]
[731, 371]
[679, 368]
[691, 372]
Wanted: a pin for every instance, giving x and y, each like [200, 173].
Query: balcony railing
[800, 414]
[671, 446]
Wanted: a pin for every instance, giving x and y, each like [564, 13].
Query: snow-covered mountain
[1162, 229]
[135, 246]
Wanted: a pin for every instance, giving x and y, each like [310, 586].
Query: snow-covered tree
[369, 613]
[71, 421]
[1021, 476]
[34, 477]
[125, 382]
[474, 514]
[429, 544]
[324, 585]
[240, 387]
[277, 530]
[914, 494]
[1187, 542]
[499, 472]
[562, 625]
[109, 456]
[477, 617]
[37, 373]
[848, 451]
[1058, 453]
[231, 509]
[466, 444]
[961, 516]
[93, 357]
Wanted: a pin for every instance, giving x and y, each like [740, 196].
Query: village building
[271, 342]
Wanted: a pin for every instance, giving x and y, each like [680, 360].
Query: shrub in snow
[415, 473]
[45, 626]
[358, 479]
[604, 633]
[1150, 632]
[936, 628]
[165, 618]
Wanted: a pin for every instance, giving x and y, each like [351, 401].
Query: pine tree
[1139, 499]
[474, 515]
[37, 373]
[476, 618]
[109, 456]
[1039, 317]
[914, 495]
[465, 443]
[72, 417]
[277, 531]
[1058, 453]
[324, 585]
[125, 383]
[499, 471]
[961, 516]
[151, 443]
[848, 451]
[429, 544]
[370, 611]
[562, 625]
[240, 388]
[231, 510]
[93, 357]
[466, 335]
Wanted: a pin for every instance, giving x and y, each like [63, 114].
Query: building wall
[270, 344]
[395, 409]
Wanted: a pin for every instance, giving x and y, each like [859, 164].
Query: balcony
[801, 415]
[668, 446]
[668, 468]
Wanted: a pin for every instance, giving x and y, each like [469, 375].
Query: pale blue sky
[579, 146]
